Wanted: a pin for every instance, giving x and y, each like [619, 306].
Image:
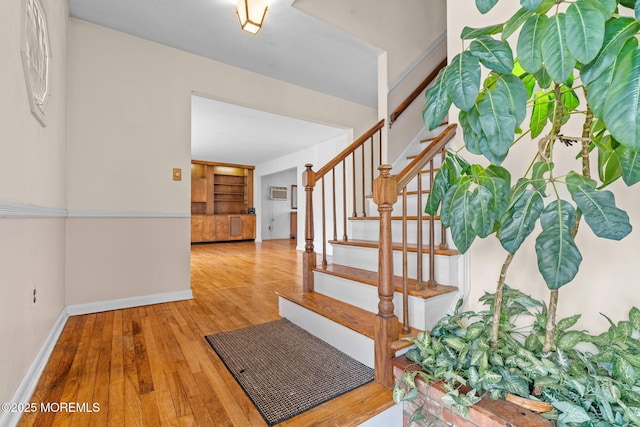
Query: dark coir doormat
[285, 370]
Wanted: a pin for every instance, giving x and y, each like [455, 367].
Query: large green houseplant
[556, 76]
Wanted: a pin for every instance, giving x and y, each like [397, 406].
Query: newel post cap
[385, 187]
[308, 176]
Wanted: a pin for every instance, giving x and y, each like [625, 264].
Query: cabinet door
[235, 227]
[209, 229]
[222, 227]
[197, 228]
[248, 227]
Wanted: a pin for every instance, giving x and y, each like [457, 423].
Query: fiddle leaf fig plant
[562, 78]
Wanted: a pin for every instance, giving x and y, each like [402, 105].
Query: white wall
[275, 214]
[32, 197]
[317, 155]
[129, 109]
[404, 29]
[410, 123]
[606, 281]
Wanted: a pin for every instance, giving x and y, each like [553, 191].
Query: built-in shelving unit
[221, 198]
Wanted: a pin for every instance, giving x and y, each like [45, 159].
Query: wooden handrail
[350, 149]
[412, 169]
[416, 92]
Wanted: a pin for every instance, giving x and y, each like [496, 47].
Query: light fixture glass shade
[251, 14]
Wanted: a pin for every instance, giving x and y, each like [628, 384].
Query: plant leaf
[456, 204]
[484, 217]
[485, 6]
[624, 123]
[437, 102]
[515, 22]
[497, 124]
[555, 51]
[616, 32]
[542, 110]
[529, 47]
[463, 80]
[494, 54]
[600, 212]
[516, 94]
[585, 30]
[629, 163]
[570, 413]
[469, 33]
[537, 177]
[598, 88]
[558, 256]
[607, 7]
[519, 221]
[469, 121]
[530, 4]
[438, 190]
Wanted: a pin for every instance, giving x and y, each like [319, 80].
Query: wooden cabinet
[221, 198]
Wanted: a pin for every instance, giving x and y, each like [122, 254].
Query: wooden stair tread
[352, 317]
[371, 278]
[411, 247]
[350, 410]
[393, 218]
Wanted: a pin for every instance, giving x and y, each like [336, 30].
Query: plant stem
[497, 303]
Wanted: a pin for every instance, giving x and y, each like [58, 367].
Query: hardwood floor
[150, 366]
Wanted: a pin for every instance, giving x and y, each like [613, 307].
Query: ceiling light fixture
[251, 14]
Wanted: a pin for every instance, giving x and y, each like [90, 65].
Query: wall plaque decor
[36, 57]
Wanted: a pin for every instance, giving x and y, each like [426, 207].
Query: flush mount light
[251, 14]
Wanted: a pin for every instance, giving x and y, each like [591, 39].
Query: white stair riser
[344, 339]
[446, 271]
[413, 201]
[423, 313]
[369, 230]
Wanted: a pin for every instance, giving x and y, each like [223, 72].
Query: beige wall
[129, 110]
[607, 279]
[404, 29]
[32, 186]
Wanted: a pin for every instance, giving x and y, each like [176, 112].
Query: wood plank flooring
[150, 366]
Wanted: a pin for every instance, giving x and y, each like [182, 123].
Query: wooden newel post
[385, 194]
[309, 256]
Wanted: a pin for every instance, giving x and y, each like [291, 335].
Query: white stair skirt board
[423, 313]
[344, 339]
[96, 307]
[446, 271]
[30, 380]
[390, 417]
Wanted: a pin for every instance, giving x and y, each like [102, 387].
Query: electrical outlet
[177, 174]
[34, 295]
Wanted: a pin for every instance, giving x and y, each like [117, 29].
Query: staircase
[390, 275]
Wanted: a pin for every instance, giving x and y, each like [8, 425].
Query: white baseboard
[96, 307]
[30, 380]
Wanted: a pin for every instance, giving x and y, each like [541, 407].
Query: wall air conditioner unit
[277, 193]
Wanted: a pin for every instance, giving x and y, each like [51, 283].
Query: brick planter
[486, 413]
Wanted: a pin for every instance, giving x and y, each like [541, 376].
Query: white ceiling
[292, 46]
[264, 136]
